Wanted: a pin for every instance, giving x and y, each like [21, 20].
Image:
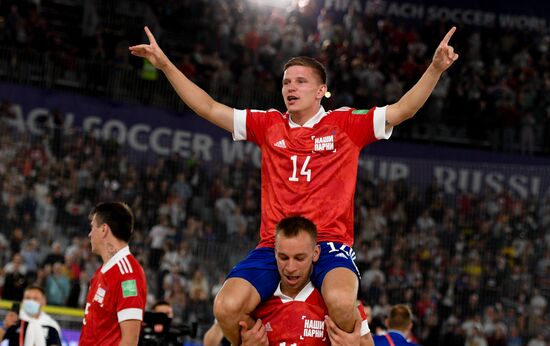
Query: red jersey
[298, 321]
[117, 293]
[310, 170]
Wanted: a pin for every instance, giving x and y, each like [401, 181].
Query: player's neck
[302, 117]
[111, 249]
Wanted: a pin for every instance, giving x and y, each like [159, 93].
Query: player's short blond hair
[291, 226]
[400, 317]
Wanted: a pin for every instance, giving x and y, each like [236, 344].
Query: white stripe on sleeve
[130, 314]
[239, 124]
[379, 123]
[365, 327]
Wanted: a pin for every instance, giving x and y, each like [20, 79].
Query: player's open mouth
[291, 99]
[292, 279]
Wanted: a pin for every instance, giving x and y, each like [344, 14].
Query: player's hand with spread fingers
[445, 55]
[256, 336]
[151, 52]
[338, 337]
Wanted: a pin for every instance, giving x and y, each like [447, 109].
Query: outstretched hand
[151, 51]
[445, 55]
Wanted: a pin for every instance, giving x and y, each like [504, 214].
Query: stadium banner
[459, 176]
[526, 15]
[146, 133]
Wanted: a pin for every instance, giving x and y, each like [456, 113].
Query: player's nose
[291, 267]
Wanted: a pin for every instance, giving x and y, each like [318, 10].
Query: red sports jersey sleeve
[117, 293]
[310, 170]
[365, 126]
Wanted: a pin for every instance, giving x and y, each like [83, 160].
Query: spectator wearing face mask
[34, 327]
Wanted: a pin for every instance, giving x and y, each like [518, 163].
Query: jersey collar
[301, 297]
[311, 122]
[125, 251]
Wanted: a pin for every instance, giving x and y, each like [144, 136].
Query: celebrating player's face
[302, 90]
[295, 257]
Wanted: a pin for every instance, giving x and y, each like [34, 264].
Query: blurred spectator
[57, 285]
[35, 326]
[15, 279]
[158, 235]
[31, 256]
[55, 255]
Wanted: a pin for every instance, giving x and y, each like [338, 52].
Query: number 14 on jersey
[304, 171]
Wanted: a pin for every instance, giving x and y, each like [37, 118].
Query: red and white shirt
[118, 292]
[310, 170]
[298, 321]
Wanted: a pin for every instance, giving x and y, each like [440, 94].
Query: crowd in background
[475, 268]
[496, 97]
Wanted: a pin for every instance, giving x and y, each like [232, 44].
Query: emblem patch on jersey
[361, 111]
[129, 288]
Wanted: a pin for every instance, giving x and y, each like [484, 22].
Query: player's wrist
[434, 70]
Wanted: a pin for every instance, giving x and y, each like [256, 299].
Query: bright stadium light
[272, 3]
[303, 3]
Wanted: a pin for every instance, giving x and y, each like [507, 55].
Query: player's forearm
[198, 100]
[129, 332]
[129, 340]
[414, 99]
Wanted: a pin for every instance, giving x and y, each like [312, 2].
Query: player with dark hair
[116, 300]
[399, 323]
[309, 167]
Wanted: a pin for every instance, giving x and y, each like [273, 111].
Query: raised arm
[193, 96]
[415, 98]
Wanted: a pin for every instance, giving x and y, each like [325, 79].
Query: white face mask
[31, 307]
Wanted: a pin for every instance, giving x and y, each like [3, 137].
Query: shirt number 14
[304, 171]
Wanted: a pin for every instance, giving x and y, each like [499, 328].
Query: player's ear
[321, 91]
[316, 253]
[105, 230]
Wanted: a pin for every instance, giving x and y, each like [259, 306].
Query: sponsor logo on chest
[313, 329]
[325, 143]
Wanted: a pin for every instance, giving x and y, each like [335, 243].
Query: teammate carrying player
[295, 314]
[309, 167]
[118, 291]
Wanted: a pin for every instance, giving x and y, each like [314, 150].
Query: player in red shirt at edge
[118, 290]
[309, 167]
